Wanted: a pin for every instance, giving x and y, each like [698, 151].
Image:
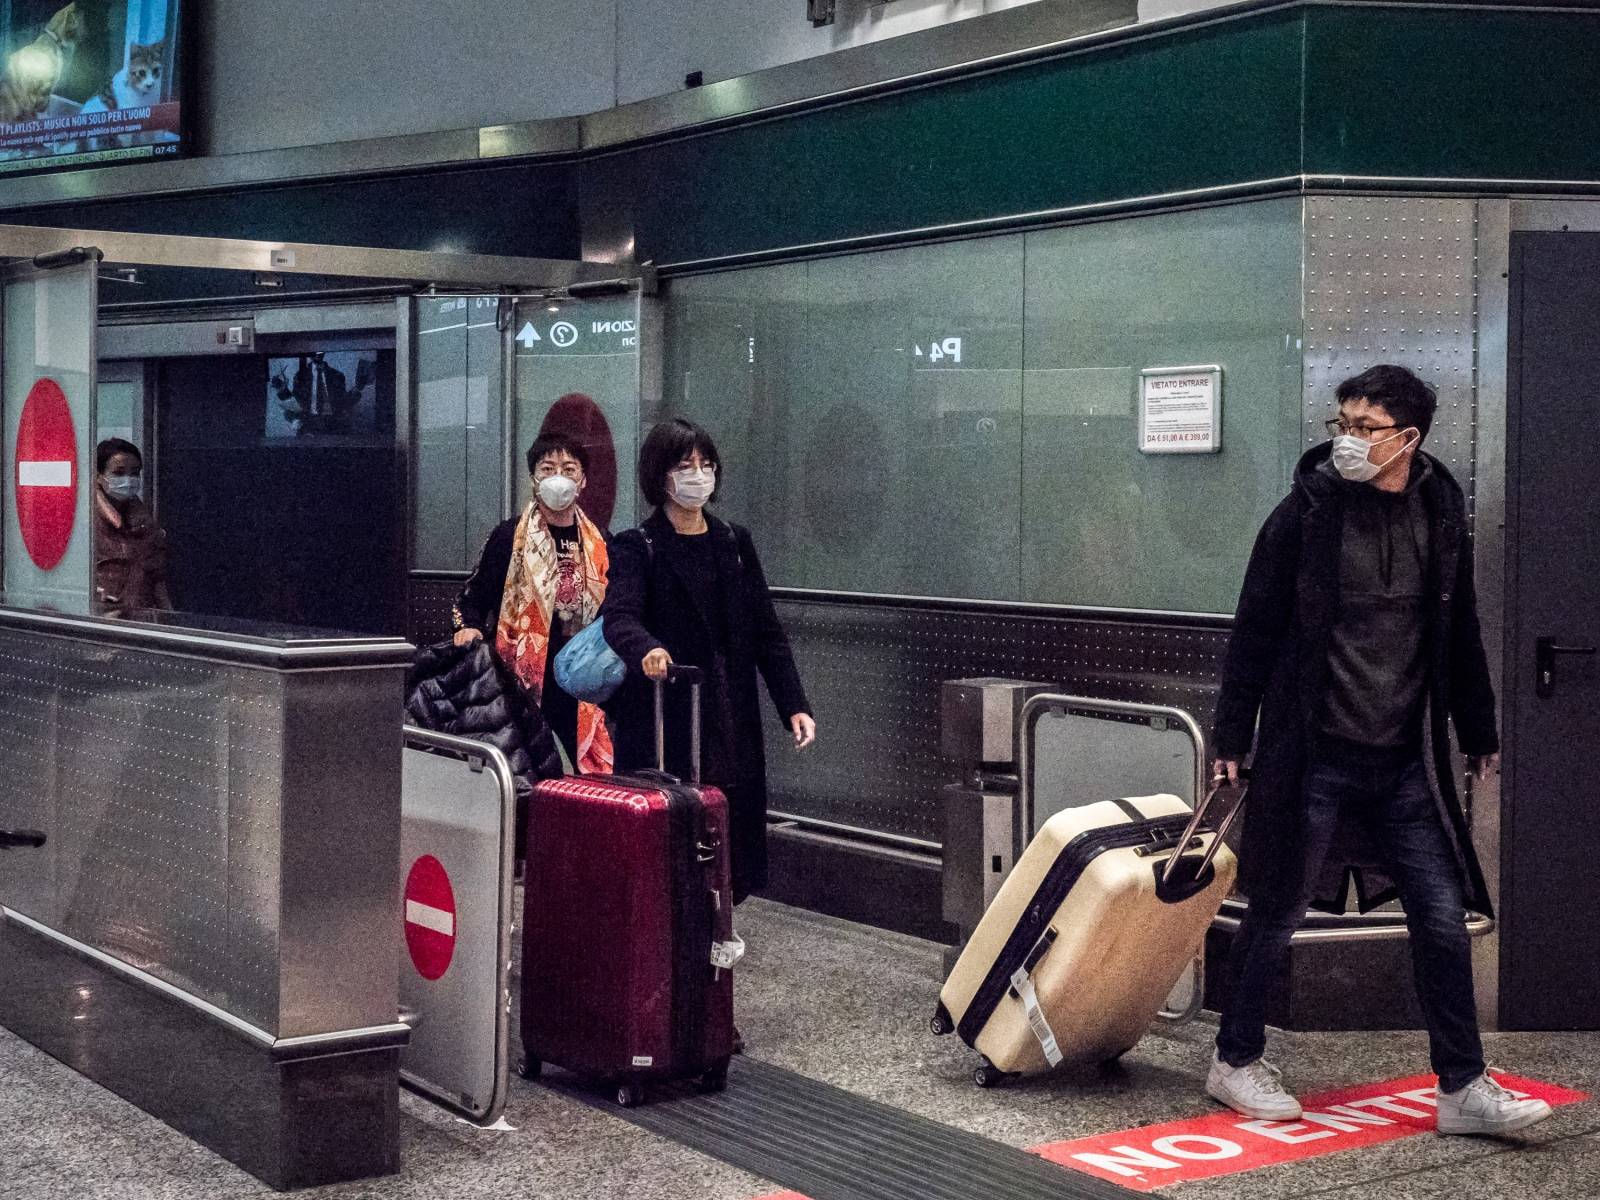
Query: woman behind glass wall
[130, 549]
[687, 587]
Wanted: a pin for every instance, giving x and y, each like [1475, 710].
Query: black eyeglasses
[1337, 425]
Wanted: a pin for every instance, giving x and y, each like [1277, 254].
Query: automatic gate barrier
[1075, 750]
[458, 833]
[1028, 753]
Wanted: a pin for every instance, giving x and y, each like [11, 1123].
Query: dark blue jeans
[1391, 796]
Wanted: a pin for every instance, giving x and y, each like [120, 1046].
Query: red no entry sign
[430, 917]
[46, 480]
[1221, 1143]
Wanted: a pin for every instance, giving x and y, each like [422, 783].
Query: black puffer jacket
[462, 690]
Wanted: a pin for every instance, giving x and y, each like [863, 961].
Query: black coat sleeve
[1472, 704]
[1262, 623]
[478, 605]
[774, 656]
[627, 590]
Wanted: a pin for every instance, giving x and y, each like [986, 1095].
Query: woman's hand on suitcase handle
[1225, 769]
[805, 730]
[655, 663]
[469, 634]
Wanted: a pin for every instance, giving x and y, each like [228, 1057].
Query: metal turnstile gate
[458, 835]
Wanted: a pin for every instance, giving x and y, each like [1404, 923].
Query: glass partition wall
[961, 420]
[953, 420]
[493, 374]
[459, 441]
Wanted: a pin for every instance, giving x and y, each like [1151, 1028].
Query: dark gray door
[1550, 836]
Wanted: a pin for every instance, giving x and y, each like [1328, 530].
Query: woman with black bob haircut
[687, 587]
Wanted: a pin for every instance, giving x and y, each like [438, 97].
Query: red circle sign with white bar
[430, 914]
[46, 479]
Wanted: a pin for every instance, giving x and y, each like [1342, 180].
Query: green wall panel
[1217, 105]
[1459, 94]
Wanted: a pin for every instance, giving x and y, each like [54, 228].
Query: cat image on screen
[31, 73]
[137, 85]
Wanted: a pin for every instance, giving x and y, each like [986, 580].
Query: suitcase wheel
[989, 1075]
[715, 1079]
[941, 1023]
[630, 1094]
[1115, 1060]
[528, 1066]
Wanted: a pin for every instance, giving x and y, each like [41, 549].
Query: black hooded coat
[652, 601]
[1277, 667]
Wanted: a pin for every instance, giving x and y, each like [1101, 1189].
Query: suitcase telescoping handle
[1201, 811]
[680, 673]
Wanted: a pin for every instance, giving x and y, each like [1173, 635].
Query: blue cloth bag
[587, 668]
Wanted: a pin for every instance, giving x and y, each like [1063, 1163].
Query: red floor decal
[1223, 1143]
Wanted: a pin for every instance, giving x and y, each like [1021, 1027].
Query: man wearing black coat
[1356, 640]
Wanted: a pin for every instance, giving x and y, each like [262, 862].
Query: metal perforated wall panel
[428, 608]
[1394, 281]
[873, 673]
[158, 777]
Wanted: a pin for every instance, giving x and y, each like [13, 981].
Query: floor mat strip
[830, 1144]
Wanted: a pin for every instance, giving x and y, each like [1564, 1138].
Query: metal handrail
[1060, 701]
[859, 833]
[1325, 927]
[1348, 927]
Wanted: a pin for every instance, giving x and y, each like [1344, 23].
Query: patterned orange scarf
[523, 636]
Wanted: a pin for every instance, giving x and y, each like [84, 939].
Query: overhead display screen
[89, 82]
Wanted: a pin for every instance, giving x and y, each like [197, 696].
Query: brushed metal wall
[228, 828]
[428, 608]
[1394, 280]
[157, 779]
[873, 672]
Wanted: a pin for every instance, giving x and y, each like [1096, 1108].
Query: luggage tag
[725, 955]
[1022, 988]
[1037, 1021]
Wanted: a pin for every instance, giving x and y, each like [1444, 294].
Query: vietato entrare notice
[1180, 410]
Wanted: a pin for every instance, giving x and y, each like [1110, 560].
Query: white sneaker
[1483, 1106]
[1254, 1090]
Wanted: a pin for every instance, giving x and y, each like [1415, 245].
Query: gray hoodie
[1377, 657]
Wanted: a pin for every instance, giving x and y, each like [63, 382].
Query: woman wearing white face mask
[130, 550]
[540, 579]
[687, 587]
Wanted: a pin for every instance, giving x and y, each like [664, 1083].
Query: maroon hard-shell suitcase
[627, 934]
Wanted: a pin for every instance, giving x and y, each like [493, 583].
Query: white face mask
[557, 492]
[692, 486]
[1352, 456]
[121, 487]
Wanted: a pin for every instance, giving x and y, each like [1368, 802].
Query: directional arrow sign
[528, 335]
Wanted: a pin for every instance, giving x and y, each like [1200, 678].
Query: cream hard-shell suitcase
[1087, 936]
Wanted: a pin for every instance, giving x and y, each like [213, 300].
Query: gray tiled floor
[860, 1021]
[848, 1005]
[62, 1138]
